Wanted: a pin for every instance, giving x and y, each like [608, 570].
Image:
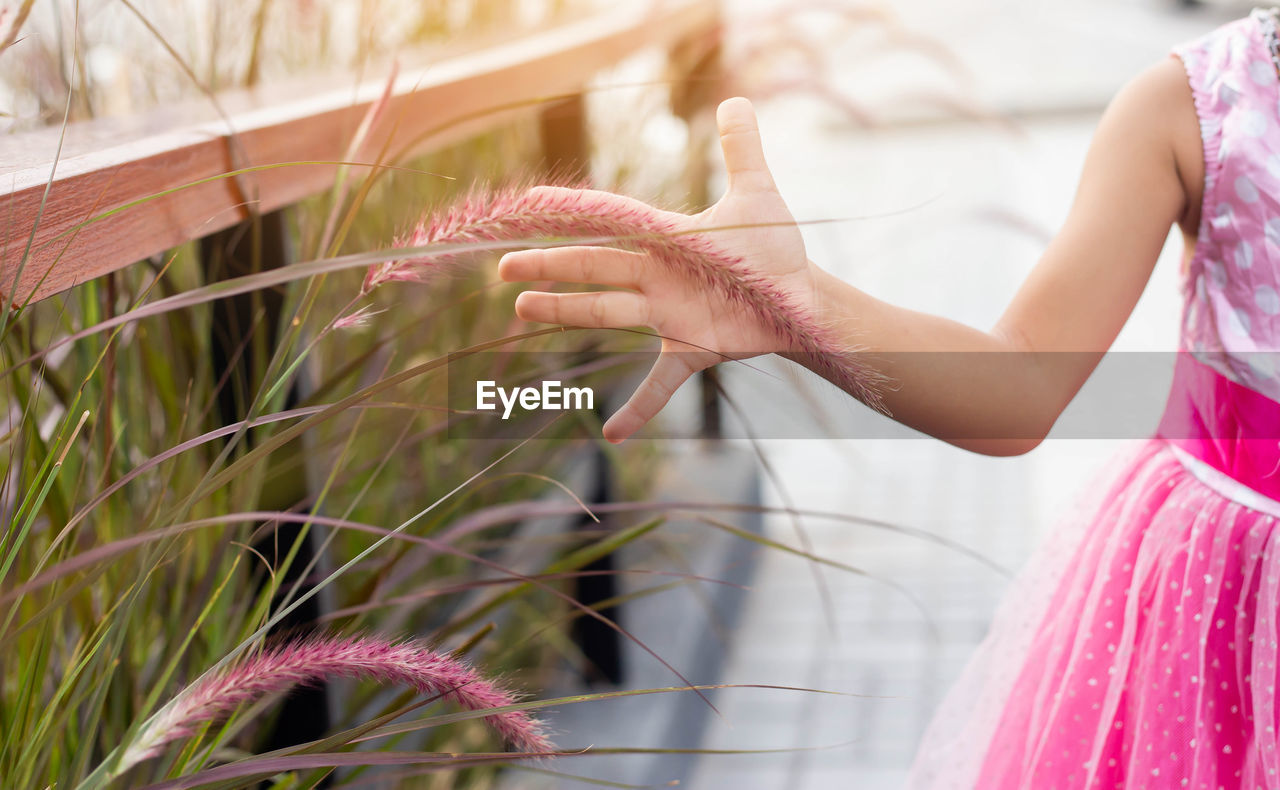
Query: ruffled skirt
[1136, 650]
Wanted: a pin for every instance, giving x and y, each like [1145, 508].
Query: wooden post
[566, 149]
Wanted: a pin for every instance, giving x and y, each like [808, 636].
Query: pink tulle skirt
[1137, 650]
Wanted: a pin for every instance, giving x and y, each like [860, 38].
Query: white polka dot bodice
[1232, 307]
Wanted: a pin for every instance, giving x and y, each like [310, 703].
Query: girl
[1139, 649]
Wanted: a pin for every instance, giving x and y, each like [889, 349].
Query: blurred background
[943, 137]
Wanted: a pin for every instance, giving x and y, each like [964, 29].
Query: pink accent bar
[1230, 427]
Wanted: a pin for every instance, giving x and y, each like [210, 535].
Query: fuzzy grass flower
[311, 660]
[522, 215]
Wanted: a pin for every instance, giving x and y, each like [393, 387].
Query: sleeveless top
[1231, 307]
[1232, 286]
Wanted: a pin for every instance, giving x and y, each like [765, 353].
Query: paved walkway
[1055, 64]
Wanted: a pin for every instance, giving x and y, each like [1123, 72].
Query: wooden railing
[112, 192]
[109, 165]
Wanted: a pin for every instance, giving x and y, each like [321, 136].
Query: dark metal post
[566, 153]
[694, 96]
[244, 335]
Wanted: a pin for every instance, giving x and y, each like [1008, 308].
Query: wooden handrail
[109, 164]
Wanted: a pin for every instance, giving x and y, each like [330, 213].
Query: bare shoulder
[1158, 110]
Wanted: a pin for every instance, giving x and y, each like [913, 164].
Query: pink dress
[1139, 647]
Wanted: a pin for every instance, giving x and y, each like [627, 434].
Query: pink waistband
[1234, 429]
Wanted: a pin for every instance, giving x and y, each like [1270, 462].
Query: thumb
[740, 142]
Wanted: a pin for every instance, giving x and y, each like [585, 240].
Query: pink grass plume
[314, 659]
[360, 317]
[523, 215]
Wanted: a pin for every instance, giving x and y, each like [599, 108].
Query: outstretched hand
[700, 327]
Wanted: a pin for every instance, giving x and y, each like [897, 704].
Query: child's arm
[1142, 174]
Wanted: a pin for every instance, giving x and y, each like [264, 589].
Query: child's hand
[703, 326]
